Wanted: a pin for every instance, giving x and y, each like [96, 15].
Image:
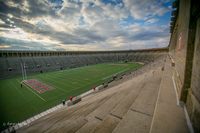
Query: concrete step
[146, 101]
[107, 125]
[89, 108]
[102, 111]
[121, 109]
[134, 122]
[90, 126]
[139, 117]
[124, 105]
[44, 123]
[100, 120]
[67, 114]
[97, 116]
[77, 119]
[67, 126]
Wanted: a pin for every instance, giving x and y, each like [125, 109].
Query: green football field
[19, 103]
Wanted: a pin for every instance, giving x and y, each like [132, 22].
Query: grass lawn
[18, 104]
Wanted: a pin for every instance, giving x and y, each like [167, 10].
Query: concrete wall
[184, 49]
[193, 100]
[195, 84]
[14, 53]
[178, 43]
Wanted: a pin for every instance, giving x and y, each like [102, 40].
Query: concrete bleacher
[169, 110]
[140, 103]
[11, 65]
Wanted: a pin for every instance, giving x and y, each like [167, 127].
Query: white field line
[34, 92]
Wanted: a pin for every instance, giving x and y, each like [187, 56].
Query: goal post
[24, 74]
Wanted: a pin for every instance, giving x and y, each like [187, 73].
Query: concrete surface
[168, 117]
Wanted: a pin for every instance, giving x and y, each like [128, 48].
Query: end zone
[37, 85]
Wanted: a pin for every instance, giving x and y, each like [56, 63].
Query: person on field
[63, 102]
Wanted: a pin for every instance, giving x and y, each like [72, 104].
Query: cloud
[83, 24]
[27, 8]
[144, 9]
[152, 20]
[16, 44]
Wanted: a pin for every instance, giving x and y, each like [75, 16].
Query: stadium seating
[10, 66]
[118, 109]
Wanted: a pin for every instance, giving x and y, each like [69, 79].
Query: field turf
[18, 104]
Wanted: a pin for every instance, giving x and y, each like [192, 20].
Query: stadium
[144, 90]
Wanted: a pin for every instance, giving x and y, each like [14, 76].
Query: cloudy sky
[84, 24]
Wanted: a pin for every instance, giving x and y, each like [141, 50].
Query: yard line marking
[34, 93]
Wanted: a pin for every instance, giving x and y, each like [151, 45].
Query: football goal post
[24, 76]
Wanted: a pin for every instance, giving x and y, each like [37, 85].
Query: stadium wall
[12, 53]
[11, 62]
[184, 50]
